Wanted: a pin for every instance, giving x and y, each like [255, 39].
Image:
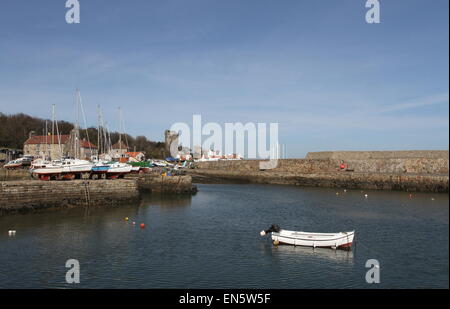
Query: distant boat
[46, 170]
[342, 240]
[19, 163]
[13, 165]
[76, 166]
[135, 169]
[159, 163]
[99, 170]
[67, 168]
[117, 169]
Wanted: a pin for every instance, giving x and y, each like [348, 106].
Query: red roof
[86, 144]
[133, 154]
[44, 139]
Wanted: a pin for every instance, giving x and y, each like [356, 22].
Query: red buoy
[142, 225]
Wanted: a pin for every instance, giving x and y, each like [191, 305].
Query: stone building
[119, 150]
[171, 142]
[53, 147]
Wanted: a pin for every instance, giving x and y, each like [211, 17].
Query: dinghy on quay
[342, 240]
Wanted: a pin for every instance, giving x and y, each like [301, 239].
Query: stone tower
[171, 142]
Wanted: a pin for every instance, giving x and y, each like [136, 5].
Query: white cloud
[426, 101]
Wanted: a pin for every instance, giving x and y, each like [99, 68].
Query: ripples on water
[211, 240]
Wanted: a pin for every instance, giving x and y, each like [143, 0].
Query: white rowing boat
[342, 240]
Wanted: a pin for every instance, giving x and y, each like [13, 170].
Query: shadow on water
[166, 201]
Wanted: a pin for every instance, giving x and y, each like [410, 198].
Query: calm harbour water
[211, 240]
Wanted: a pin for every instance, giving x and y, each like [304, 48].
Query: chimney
[31, 134]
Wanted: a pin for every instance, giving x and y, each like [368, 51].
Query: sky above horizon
[331, 81]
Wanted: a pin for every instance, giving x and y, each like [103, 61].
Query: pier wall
[431, 166]
[35, 194]
[392, 170]
[363, 155]
[18, 174]
[26, 195]
[166, 184]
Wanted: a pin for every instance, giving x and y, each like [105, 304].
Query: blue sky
[331, 81]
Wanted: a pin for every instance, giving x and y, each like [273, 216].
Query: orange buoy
[142, 225]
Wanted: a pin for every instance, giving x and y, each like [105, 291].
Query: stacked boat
[19, 163]
[118, 170]
[139, 167]
[69, 169]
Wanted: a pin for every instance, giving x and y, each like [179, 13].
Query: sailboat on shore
[119, 169]
[64, 167]
[73, 167]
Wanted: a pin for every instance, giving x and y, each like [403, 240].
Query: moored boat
[341, 240]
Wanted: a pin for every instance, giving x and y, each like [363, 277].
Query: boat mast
[46, 140]
[122, 129]
[55, 124]
[83, 114]
[77, 124]
[99, 134]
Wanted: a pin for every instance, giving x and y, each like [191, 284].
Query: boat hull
[100, 169]
[135, 169]
[12, 166]
[47, 171]
[118, 170]
[78, 169]
[341, 240]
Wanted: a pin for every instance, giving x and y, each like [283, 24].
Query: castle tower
[171, 142]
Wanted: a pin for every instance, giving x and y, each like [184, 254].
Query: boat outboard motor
[273, 228]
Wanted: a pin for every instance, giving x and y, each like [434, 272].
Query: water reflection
[166, 200]
[212, 240]
[302, 253]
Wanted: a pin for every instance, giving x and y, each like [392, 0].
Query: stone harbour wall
[26, 195]
[364, 155]
[16, 174]
[166, 184]
[36, 194]
[432, 166]
[370, 181]
[388, 170]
